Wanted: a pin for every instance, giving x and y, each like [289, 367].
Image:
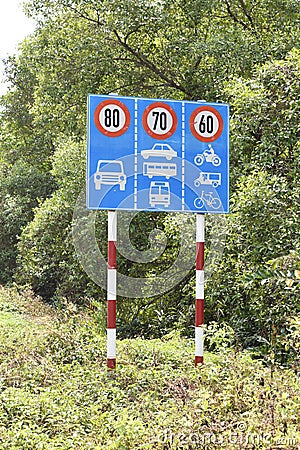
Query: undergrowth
[56, 392]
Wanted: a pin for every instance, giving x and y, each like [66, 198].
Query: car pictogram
[161, 150]
[110, 172]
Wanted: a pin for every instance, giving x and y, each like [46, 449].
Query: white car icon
[163, 150]
[110, 172]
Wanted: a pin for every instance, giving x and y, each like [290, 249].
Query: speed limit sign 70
[112, 118]
[206, 123]
[159, 120]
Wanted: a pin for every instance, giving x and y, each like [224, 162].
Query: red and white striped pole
[111, 289]
[199, 313]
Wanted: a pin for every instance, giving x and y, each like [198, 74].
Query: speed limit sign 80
[112, 118]
[206, 123]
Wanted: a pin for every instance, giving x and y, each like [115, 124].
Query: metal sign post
[111, 289]
[199, 307]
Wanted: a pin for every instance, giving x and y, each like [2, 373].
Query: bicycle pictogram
[209, 199]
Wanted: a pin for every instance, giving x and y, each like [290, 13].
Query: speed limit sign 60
[206, 123]
[159, 120]
[112, 118]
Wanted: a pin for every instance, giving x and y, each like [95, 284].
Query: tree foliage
[265, 123]
[263, 227]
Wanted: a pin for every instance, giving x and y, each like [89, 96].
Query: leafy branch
[145, 62]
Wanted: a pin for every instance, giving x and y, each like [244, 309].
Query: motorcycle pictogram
[208, 156]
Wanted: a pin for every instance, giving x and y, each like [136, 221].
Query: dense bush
[47, 259]
[246, 290]
[22, 188]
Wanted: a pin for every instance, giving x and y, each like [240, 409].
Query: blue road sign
[152, 154]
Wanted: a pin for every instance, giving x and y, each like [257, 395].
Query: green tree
[25, 160]
[230, 50]
[255, 287]
[265, 128]
[46, 255]
[22, 187]
[157, 49]
[245, 291]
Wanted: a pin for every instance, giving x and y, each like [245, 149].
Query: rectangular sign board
[157, 155]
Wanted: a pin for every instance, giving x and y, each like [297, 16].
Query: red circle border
[219, 117]
[170, 110]
[100, 127]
